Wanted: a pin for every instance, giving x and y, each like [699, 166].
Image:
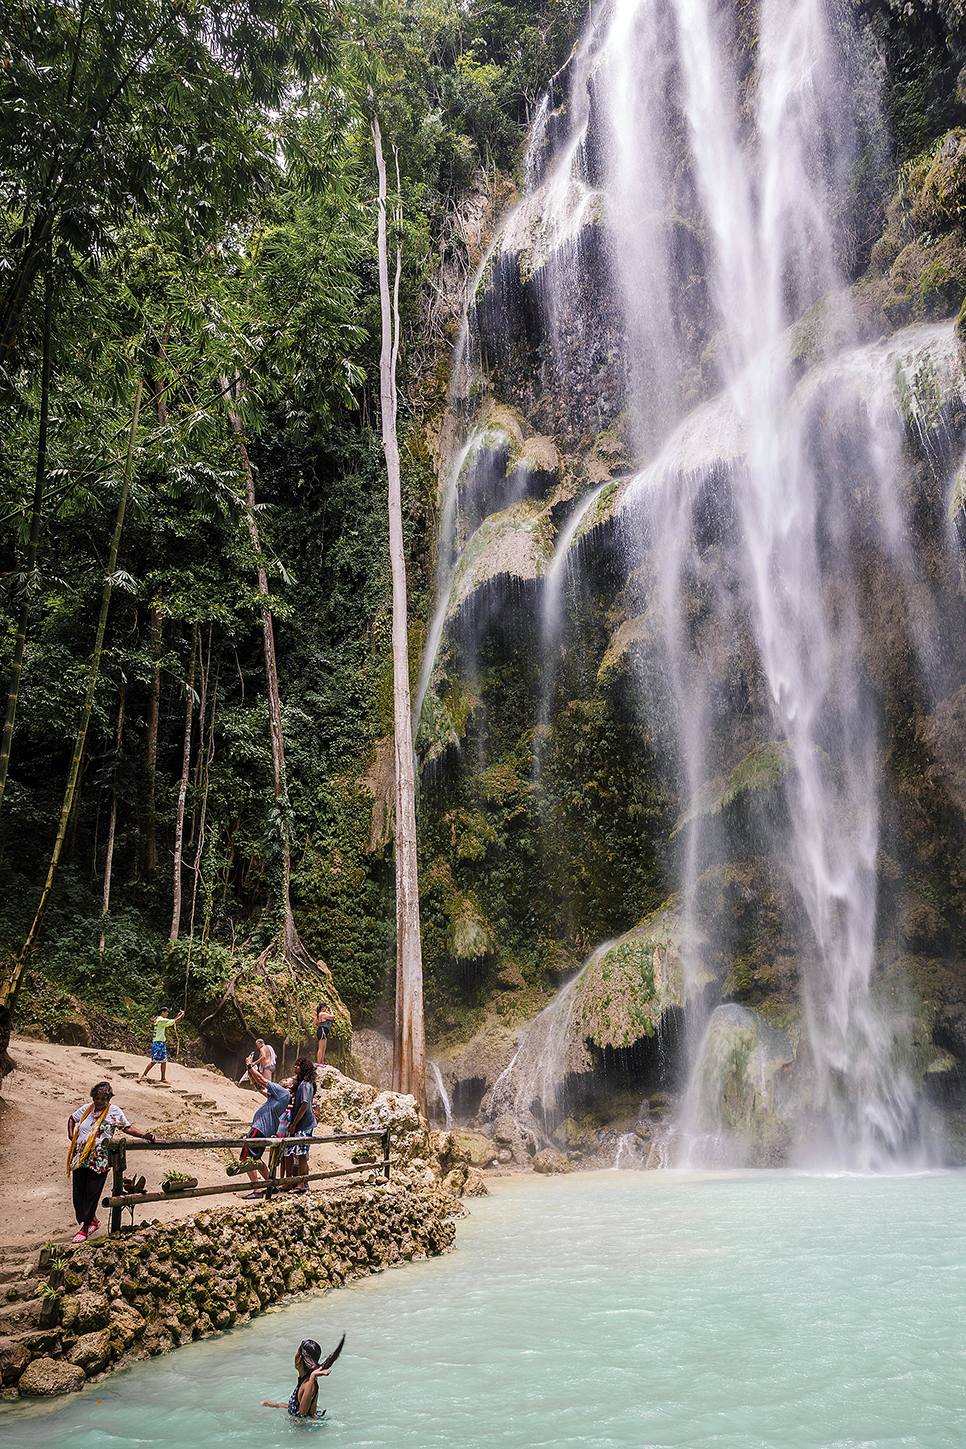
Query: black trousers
[87, 1186]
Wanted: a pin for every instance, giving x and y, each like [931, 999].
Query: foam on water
[745, 1311]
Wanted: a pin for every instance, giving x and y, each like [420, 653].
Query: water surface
[748, 1311]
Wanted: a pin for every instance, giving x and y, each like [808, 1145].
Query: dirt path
[51, 1081]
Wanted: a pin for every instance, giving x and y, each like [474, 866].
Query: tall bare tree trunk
[409, 1046]
[148, 834]
[291, 944]
[40, 478]
[205, 662]
[109, 860]
[183, 791]
[11, 983]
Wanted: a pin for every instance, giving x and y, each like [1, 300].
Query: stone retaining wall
[142, 1293]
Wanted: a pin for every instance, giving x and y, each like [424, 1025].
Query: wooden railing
[119, 1147]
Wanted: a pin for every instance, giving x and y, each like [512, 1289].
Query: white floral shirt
[88, 1117]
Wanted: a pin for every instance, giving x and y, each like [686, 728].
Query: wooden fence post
[116, 1160]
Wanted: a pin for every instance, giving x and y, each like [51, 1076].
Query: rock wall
[555, 814]
[140, 1294]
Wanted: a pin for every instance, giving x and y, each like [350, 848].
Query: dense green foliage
[198, 187]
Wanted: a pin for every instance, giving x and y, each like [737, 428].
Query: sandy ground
[51, 1081]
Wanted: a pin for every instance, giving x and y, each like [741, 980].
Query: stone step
[14, 1272]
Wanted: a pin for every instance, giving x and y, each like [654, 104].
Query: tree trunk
[291, 944]
[409, 1046]
[205, 754]
[11, 983]
[109, 861]
[148, 834]
[205, 662]
[32, 547]
[183, 791]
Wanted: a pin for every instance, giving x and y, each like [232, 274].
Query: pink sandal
[80, 1237]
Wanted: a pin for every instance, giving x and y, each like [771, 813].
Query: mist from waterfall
[767, 185]
[720, 158]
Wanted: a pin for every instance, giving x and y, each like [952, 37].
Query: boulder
[475, 1186]
[477, 1146]
[14, 1357]
[513, 1138]
[455, 1181]
[125, 1324]
[550, 1161]
[93, 1311]
[92, 1351]
[46, 1377]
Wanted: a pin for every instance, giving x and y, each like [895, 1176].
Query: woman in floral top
[90, 1129]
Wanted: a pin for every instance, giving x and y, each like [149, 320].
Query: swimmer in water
[304, 1396]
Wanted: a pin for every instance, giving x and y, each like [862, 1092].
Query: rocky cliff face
[564, 803]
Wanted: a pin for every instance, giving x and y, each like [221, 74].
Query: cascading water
[442, 1096]
[715, 146]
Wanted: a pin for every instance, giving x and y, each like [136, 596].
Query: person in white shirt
[90, 1129]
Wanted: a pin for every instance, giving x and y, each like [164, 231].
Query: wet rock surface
[46, 1377]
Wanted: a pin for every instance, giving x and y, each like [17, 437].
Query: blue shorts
[159, 1052]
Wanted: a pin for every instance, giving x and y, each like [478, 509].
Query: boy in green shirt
[159, 1049]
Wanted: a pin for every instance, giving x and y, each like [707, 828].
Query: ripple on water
[748, 1311]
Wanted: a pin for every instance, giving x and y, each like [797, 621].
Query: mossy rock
[516, 543]
[762, 769]
[624, 990]
[942, 199]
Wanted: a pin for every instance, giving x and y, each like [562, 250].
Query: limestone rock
[125, 1324]
[478, 1148]
[47, 1376]
[517, 543]
[455, 1182]
[737, 1087]
[549, 1161]
[372, 1058]
[475, 1186]
[14, 1357]
[92, 1351]
[93, 1311]
[515, 1139]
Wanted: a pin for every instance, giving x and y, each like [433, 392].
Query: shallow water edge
[140, 1294]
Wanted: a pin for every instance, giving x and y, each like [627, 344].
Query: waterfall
[715, 143]
[530, 1085]
[442, 1094]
